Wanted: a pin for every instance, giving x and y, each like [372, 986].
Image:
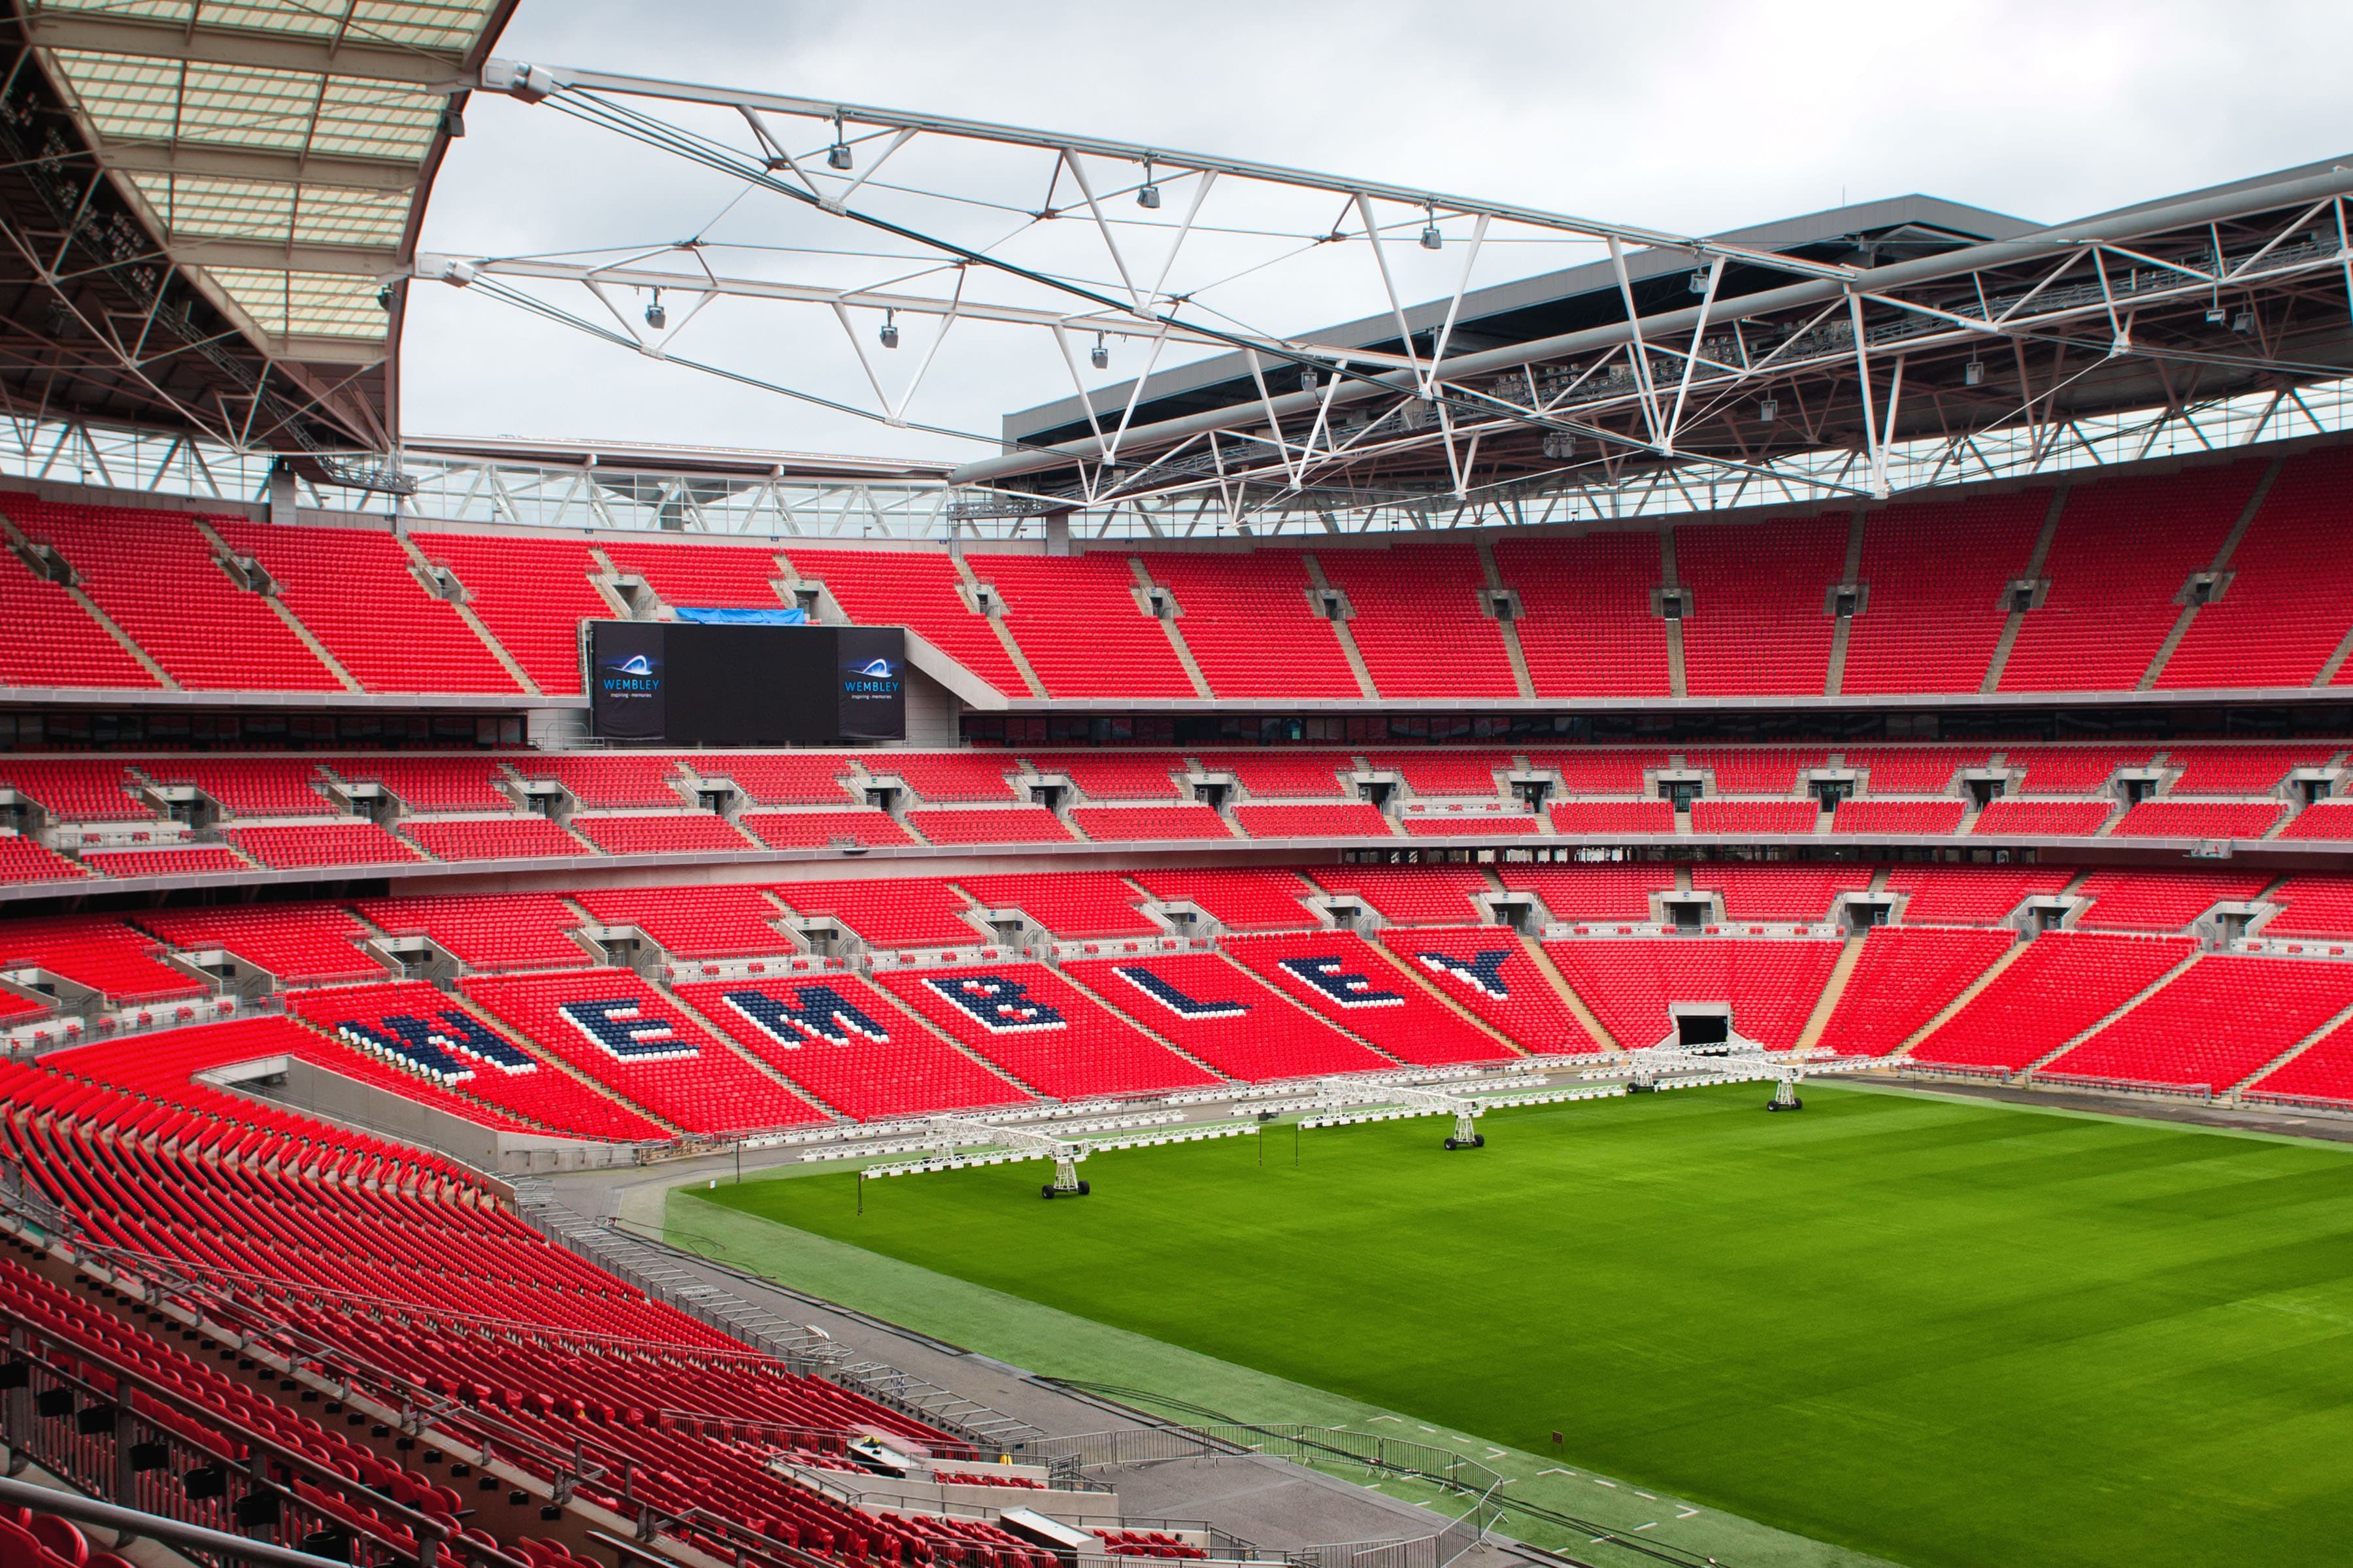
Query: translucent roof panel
[303, 304]
[439, 26]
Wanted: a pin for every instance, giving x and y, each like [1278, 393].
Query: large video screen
[685, 684]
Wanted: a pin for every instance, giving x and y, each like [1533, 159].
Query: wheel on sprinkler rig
[1785, 1097]
[1466, 1133]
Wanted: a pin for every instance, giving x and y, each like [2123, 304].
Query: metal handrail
[156, 1527]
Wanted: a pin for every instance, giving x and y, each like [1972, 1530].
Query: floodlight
[1308, 382]
[1696, 283]
[1099, 356]
[1147, 194]
[837, 155]
[656, 316]
[2243, 323]
[1769, 409]
[383, 297]
[1973, 372]
[2216, 316]
[1558, 445]
[890, 329]
[1431, 238]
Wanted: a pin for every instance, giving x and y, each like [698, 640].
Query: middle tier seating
[1069, 904]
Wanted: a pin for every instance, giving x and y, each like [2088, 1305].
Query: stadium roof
[203, 200]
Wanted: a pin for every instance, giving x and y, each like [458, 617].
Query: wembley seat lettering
[1330, 976]
[1481, 971]
[1001, 1006]
[821, 1014]
[1175, 1000]
[622, 1026]
[444, 1047]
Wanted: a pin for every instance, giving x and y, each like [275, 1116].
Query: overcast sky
[1693, 117]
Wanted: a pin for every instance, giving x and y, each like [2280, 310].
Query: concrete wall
[332, 1097]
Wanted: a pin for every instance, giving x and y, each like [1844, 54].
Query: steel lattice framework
[1694, 371]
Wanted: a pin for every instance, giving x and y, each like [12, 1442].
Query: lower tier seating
[1487, 970]
[1905, 978]
[1221, 1014]
[2062, 984]
[1044, 1032]
[847, 1044]
[1352, 985]
[2219, 1022]
[1632, 986]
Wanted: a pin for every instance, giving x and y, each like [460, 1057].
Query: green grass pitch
[1938, 1331]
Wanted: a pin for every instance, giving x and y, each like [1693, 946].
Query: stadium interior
[1902, 645]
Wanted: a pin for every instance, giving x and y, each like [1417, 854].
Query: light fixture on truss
[1147, 194]
[1099, 356]
[889, 329]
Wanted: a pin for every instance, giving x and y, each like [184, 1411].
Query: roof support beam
[248, 164]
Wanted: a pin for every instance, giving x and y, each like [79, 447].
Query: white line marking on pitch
[1555, 1471]
[1494, 1453]
[1599, 1482]
[1640, 1528]
[1686, 1512]
[1399, 1420]
[1430, 1428]
[1646, 1497]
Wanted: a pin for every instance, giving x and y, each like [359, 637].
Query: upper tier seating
[54, 641]
[104, 954]
[701, 576]
[1755, 816]
[2045, 818]
[2070, 770]
[176, 861]
[491, 930]
[1283, 776]
[1914, 770]
[1609, 892]
[1610, 818]
[1041, 1030]
[816, 829]
[2323, 820]
[2123, 549]
[612, 1027]
[248, 786]
[1354, 984]
[1221, 1013]
[353, 591]
[301, 944]
[1778, 892]
[780, 778]
[703, 921]
[1600, 771]
[154, 574]
[2290, 598]
[1760, 619]
[1419, 622]
[418, 1040]
[2060, 986]
[1067, 903]
[30, 860]
[1076, 618]
[1139, 824]
[847, 1044]
[989, 824]
[1771, 986]
[494, 838]
[607, 781]
[919, 591]
[1115, 775]
[2162, 901]
[77, 789]
[2199, 819]
[323, 844]
[899, 913]
[1239, 899]
[1409, 895]
[432, 784]
[1905, 978]
[2220, 1021]
[950, 776]
[699, 833]
[532, 592]
[1489, 972]
[1899, 816]
[1352, 819]
[2313, 904]
[1586, 627]
[1758, 770]
[2242, 769]
[1970, 895]
[1250, 626]
[1936, 573]
[1446, 773]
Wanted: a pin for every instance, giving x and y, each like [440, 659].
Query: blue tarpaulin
[776, 617]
